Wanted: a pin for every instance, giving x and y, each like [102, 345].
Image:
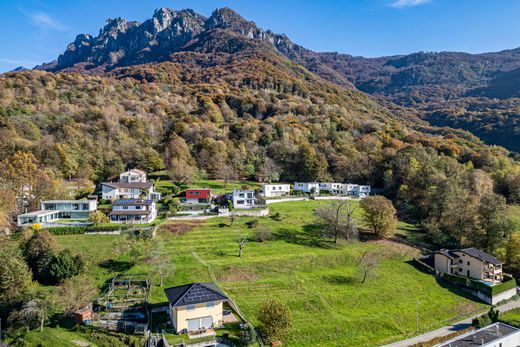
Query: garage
[200, 323]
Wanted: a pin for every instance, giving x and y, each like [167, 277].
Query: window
[460, 269]
[210, 304]
[125, 207]
[468, 262]
[241, 195]
[460, 261]
[190, 307]
[240, 202]
[138, 207]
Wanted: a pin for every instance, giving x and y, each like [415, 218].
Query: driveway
[463, 324]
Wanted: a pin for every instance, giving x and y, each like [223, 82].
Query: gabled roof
[143, 185]
[137, 171]
[198, 193]
[195, 293]
[478, 254]
[472, 252]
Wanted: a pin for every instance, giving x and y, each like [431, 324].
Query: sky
[37, 31]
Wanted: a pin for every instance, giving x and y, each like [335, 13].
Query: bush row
[73, 230]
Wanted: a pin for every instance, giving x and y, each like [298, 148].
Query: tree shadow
[117, 265]
[311, 235]
[339, 279]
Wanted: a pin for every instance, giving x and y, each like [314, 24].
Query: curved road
[463, 324]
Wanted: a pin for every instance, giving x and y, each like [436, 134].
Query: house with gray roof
[494, 335]
[469, 262]
[195, 307]
[132, 184]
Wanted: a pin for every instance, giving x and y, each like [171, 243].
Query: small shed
[83, 315]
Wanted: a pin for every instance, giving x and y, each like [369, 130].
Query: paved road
[463, 324]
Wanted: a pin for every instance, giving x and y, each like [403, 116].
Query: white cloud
[408, 3]
[44, 20]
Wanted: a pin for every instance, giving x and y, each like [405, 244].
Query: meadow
[317, 279]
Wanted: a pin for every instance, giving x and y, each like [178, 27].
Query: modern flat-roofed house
[133, 211]
[469, 262]
[494, 335]
[243, 198]
[195, 306]
[52, 210]
[133, 175]
[333, 188]
[308, 187]
[272, 190]
[129, 190]
[363, 191]
[195, 196]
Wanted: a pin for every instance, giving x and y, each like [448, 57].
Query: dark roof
[195, 293]
[145, 185]
[130, 212]
[132, 202]
[477, 253]
[482, 336]
[473, 252]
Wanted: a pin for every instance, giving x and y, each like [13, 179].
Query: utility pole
[417, 317]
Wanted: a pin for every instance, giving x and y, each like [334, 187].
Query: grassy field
[318, 281]
[511, 317]
[217, 186]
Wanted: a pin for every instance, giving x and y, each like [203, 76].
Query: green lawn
[511, 317]
[319, 282]
[217, 186]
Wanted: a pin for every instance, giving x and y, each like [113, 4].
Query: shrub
[252, 224]
[248, 335]
[262, 234]
[67, 230]
[275, 319]
[98, 217]
[277, 217]
[64, 265]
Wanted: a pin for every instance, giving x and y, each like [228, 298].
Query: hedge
[74, 230]
[508, 283]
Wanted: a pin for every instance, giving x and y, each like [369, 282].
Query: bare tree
[181, 173]
[242, 240]
[337, 216]
[33, 311]
[226, 173]
[75, 292]
[159, 259]
[268, 171]
[367, 265]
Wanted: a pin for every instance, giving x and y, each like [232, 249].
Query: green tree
[380, 215]
[64, 265]
[98, 217]
[37, 246]
[247, 336]
[275, 319]
[15, 275]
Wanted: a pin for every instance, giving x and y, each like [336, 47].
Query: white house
[133, 211]
[243, 198]
[133, 175]
[363, 191]
[308, 187]
[129, 190]
[52, 210]
[271, 190]
[494, 335]
[333, 188]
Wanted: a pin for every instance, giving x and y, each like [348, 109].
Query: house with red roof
[197, 196]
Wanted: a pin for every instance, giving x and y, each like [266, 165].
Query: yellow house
[469, 262]
[195, 307]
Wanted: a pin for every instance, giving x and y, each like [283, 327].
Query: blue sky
[36, 31]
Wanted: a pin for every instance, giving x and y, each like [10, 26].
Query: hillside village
[200, 313]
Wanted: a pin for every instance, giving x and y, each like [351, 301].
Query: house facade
[129, 190]
[133, 175]
[273, 190]
[196, 197]
[333, 188]
[308, 187]
[133, 211]
[52, 210]
[243, 198]
[195, 306]
[494, 335]
[469, 262]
